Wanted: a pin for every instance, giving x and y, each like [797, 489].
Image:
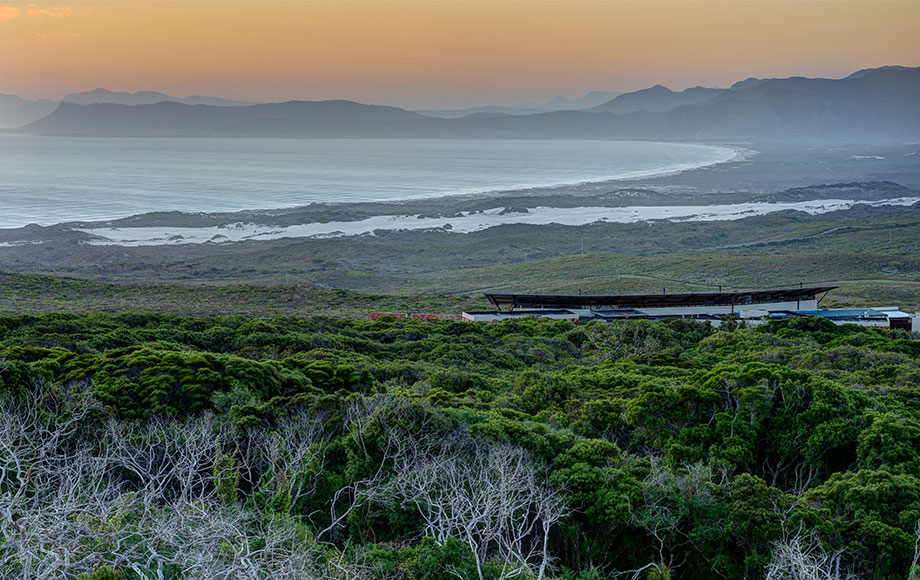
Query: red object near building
[379, 315]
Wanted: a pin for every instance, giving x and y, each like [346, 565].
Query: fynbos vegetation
[158, 447]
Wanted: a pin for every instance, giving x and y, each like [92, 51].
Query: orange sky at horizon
[438, 53]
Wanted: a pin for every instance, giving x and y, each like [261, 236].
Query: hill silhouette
[872, 105]
[658, 99]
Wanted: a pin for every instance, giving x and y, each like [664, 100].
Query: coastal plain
[868, 249]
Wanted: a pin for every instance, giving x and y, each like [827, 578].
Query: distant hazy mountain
[875, 104]
[861, 73]
[747, 83]
[870, 106]
[558, 103]
[16, 112]
[529, 109]
[144, 98]
[752, 81]
[658, 99]
[170, 118]
[592, 99]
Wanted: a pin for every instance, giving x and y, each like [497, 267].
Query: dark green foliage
[876, 513]
[103, 573]
[675, 444]
[425, 560]
[753, 513]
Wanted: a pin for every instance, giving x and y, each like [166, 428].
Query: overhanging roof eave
[696, 298]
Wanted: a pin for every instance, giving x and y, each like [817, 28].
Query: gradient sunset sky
[439, 53]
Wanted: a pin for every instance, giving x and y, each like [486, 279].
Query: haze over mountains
[557, 103]
[658, 99]
[16, 111]
[870, 105]
[145, 98]
[168, 118]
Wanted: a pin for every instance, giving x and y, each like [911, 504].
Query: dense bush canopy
[651, 450]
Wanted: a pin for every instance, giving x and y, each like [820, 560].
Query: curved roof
[655, 300]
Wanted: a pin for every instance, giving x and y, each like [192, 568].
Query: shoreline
[797, 175]
[736, 154]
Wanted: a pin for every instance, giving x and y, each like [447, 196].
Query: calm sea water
[47, 180]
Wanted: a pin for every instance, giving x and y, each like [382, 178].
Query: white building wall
[495, 317]
[740, 310]
[727, 309]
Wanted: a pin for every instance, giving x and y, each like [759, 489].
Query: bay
[49, 180]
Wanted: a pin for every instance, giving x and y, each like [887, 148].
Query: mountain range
[169, 118]
[557, 103]
[870, 105]
[145, 98]
[658, 99]
[16, 111]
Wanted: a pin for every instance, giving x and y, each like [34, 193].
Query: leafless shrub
[914, 572]
[161, 497]
[804, 557]
[166, 458]
[487, 496]
[286, 461]
[668, 496]
[630, 338]
[143, 499]
[409, 430]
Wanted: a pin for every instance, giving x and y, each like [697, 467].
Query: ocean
[49, 180]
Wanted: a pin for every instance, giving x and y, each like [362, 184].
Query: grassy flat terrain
[37, 294]
[871, 252]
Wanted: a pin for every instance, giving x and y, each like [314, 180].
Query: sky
[439, 53]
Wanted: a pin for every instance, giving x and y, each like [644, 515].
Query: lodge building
[753, 307]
